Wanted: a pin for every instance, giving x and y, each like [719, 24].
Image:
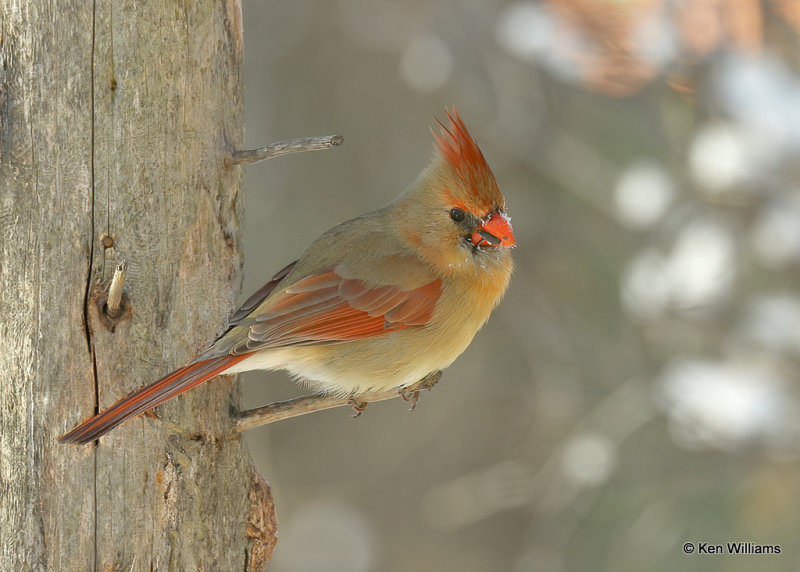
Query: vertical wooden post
[115, 118]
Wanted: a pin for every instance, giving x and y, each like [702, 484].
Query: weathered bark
[114, 123]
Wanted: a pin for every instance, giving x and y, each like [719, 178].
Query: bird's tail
[148, 397]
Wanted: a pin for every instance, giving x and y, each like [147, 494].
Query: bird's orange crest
[457, 145]
[464, 156]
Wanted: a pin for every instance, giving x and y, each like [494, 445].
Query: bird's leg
[319, 401]
[411, 393]
[357, 406]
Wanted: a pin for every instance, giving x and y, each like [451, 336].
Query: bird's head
[454, 215]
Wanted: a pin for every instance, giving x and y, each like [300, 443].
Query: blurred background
[638, 387]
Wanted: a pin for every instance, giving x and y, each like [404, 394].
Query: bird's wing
[326, 307]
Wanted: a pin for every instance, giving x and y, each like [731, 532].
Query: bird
[375, 303]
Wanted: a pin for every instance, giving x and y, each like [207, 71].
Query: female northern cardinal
[377, 302]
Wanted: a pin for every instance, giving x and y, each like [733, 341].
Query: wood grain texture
[115, 121]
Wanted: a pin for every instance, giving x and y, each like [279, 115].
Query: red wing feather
[325, 307]
[415, 309]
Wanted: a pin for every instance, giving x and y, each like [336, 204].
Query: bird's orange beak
[495, 231]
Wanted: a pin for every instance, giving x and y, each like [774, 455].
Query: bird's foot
[411, 393]
[357, 406]
[410, 397]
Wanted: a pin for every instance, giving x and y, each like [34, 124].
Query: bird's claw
[357, 406]
[410, 397]
[411, 394]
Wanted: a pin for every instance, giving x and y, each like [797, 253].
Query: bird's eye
[457, 215]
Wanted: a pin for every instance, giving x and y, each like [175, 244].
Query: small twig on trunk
[114, 302]
[317, 402]
[284, 148]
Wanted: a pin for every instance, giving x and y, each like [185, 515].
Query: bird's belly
[396, 360]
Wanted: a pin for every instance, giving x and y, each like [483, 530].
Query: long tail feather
[148, 397]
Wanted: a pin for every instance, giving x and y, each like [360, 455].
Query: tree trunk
[115, 118]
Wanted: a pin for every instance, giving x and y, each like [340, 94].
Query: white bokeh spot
[698, 271]
[643, 194]
[588, 459]
[721, 404]
[426, 63]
